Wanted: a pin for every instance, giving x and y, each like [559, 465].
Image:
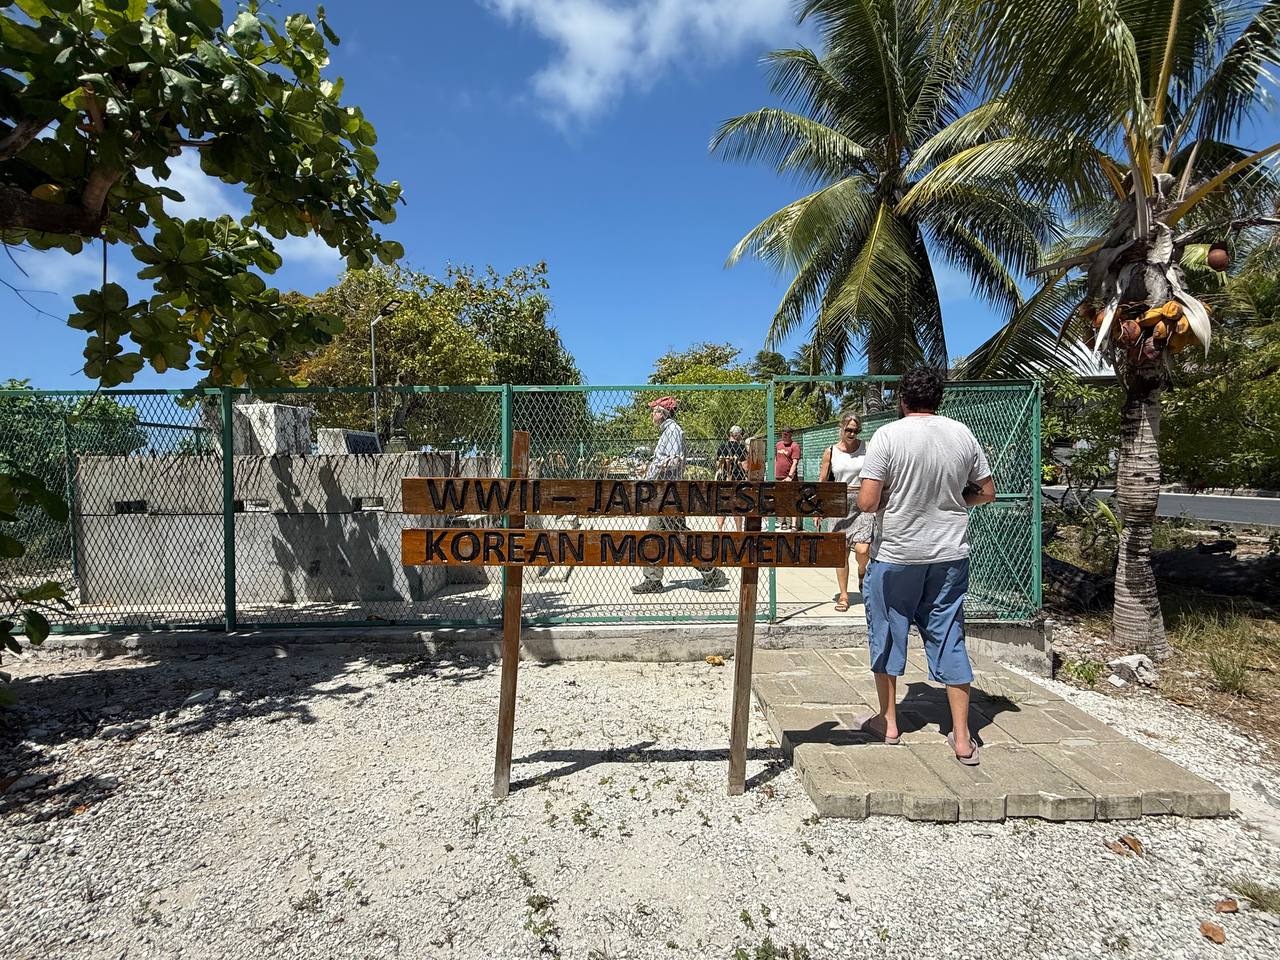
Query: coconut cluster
[1143, 333]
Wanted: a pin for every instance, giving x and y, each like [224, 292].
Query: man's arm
[869, 495]
[985, 492]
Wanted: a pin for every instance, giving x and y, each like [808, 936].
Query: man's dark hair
[921, 389]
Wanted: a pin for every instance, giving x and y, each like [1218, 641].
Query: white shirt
[847, 467]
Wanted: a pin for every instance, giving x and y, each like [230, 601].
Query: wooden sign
[515, 547]
[620, 548]
[632, 498]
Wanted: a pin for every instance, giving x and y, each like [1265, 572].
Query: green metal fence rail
[231, 509]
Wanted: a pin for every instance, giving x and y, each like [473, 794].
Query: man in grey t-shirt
[920, 476]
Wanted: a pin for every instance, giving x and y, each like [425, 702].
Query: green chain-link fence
[1005, 561]
[301, 525]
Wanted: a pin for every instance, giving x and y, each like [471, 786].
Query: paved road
[1205, 506]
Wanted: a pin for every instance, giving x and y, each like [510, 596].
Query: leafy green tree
[675, 364]
[462, 329]
[706, 416]
[1220, 423]
[97, 97]
[1123, 115]
[873, 115]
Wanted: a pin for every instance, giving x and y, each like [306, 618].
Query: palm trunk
[1137, 621]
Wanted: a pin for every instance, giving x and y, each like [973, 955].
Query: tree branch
[21, 211]
[96, 188]
[1235, 226]
[16, 138]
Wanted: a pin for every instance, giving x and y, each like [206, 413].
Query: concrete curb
[1023, 644]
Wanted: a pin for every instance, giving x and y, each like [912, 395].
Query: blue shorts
[930, 595]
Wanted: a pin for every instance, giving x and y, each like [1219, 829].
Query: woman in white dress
[842, 462]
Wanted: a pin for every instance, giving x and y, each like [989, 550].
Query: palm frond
[1028, 345]
[790, 143]
[1238, 83]
[1053, 169]
[1088, 72]
[790, 236]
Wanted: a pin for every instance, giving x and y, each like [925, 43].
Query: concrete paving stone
[794, 725]
[1129, 780]
[797, 688]
[1030, 723]
[892, 779]
[829, 785]
[855, 660]
[994, 685]
[1011, 781]
[787, 661]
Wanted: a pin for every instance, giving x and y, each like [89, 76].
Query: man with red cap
[668, 464]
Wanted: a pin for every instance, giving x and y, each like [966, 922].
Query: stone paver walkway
[1041, 757]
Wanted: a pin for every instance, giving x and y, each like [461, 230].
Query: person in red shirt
[786, 466]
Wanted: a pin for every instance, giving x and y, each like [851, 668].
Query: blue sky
[571, 131]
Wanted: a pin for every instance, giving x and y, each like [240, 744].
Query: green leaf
[11, 549]
[36, 626]
[50, 590]
[114, 297]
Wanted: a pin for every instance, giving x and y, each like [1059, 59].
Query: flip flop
[972, 759]
[842, 606]
[863, 725]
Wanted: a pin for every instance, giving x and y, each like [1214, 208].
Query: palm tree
[1122, 114]
[872, 117]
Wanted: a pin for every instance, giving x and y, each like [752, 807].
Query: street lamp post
[388, 308]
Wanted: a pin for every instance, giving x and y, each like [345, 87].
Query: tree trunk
[1137, 621]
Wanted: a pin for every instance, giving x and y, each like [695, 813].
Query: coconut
[1182, 326]
[1130, 331]
[1218, 257]
[1160, 331]
[1150, 350]
[1180, 341]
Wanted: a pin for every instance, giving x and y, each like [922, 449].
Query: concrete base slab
[1130, 781]
[1041, 756]
[883, 780]
[1011, 781]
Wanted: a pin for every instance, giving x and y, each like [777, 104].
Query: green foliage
[871, 116]
[37, 434]
[1080, 420]
[1096, 109]
[98, 98]
[675, 366]
[1221, 425]
[1087, 672]
[706, 416]
[464, 328]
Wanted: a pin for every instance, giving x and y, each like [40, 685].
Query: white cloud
[310, 253]
[606, 47]
[59, 272]
[205, 196]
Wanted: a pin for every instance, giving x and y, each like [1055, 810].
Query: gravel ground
[316, 806]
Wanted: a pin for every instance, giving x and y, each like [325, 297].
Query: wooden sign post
[515, 548]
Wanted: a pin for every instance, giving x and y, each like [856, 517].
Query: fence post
[70, 494]
[228, 514]
[769, 413]
[506, 472]
[1037, 556]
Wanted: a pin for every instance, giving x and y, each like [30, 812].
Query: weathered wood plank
[512, 594]
[643, 498]
[619, 548]
[744, 646]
